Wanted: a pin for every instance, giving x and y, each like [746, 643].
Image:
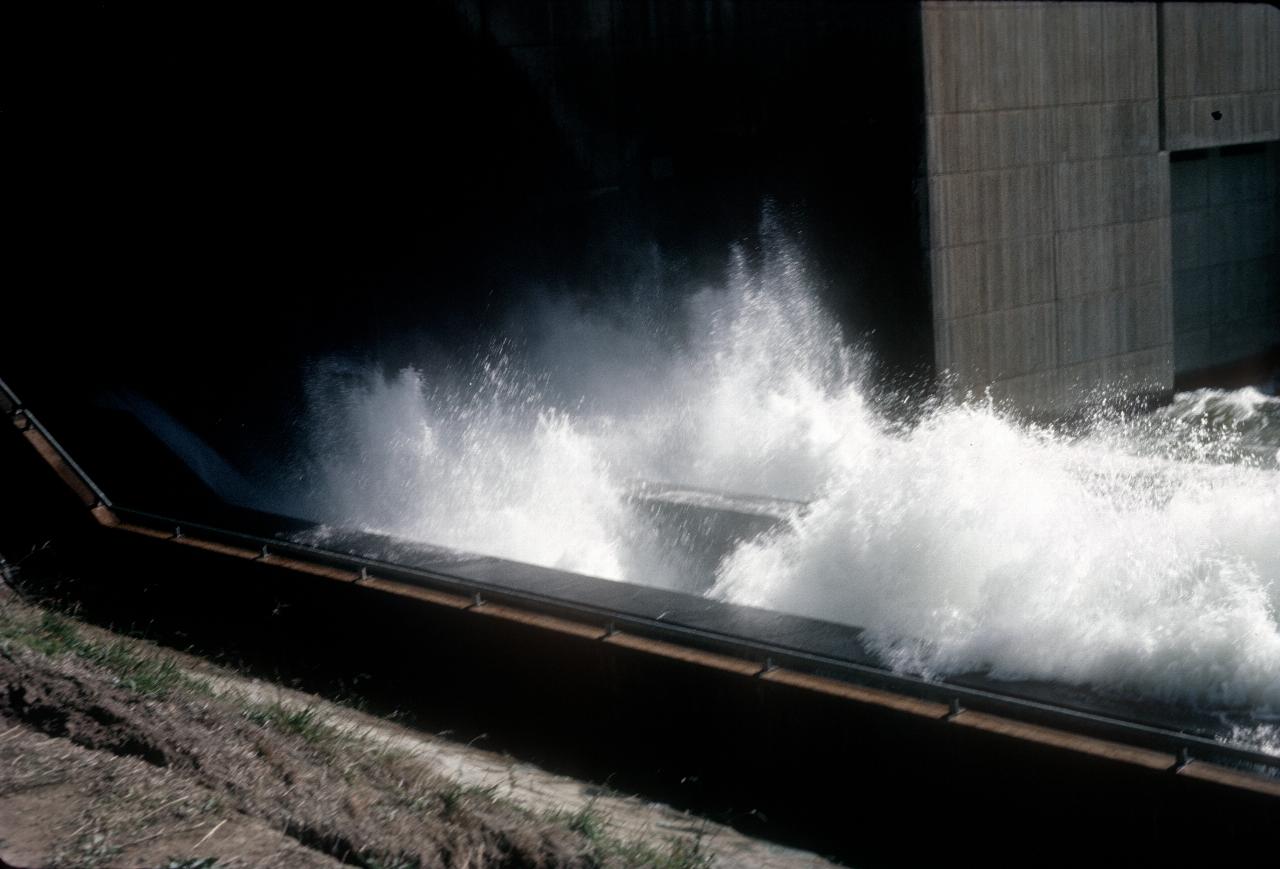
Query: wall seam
[1161, 121]
[1055, 193]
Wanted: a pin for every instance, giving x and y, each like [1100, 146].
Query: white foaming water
[1140, 556]
[1259, 737]
[489, 471]
[970, 542]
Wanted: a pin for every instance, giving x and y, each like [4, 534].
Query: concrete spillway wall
[1225, 275]
[1050, 196]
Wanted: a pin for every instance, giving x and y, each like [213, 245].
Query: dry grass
[130, 758]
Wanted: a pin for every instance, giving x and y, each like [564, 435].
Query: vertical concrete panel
[1109, 191]
[1191, 190]
[987, 347]
[993, 276]
[1111, 257]
[1191, 229]
[1142, 371]
[1129, 55]
[1244, 177]
[1193, 298]
[1113, 323]
[1012, 57]
[988, 206]
[947, 30]
[984, 57]
[1044, 167]
[1091, 327]
[975, 141]
[1223, 119]
[1193, 350]
[1221, 74]
[1075, 51]
[1085, 132]
[1226, 247]
[1041, 393]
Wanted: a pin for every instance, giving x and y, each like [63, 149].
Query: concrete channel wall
[1226, 269]
[1049, 134]
[1221, 58]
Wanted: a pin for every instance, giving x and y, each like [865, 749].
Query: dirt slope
[114, 752]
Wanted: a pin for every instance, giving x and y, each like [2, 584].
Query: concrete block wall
[1061, 240]
[1226, 254]
[1220, 59]
[1221, 68]
[1049, 230]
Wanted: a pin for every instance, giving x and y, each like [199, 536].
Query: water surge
[1135, 553]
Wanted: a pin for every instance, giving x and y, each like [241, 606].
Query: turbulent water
[1139, 553]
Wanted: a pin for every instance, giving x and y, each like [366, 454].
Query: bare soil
[115, 752]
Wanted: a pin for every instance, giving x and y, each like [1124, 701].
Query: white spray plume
[1141, 556]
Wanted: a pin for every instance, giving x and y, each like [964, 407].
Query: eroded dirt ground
[115, 752]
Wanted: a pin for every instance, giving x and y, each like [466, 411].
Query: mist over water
[1132, 553]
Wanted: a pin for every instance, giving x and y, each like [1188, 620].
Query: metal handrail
[1131, 732]
[19, 409]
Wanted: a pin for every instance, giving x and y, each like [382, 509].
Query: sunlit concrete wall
[1222, 104]
[1049, 201]
[1221, 74]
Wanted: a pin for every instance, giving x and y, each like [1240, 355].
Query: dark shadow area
[1226, 266]
[209, 200]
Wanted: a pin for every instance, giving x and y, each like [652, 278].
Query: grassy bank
[116, 752]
